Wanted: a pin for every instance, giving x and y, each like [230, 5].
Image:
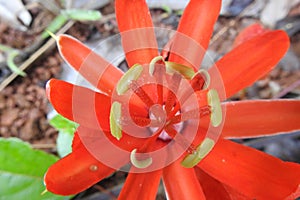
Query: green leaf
[167, 9]
[11, 64]
[11, 54]
[73, 14]
[66, 130]
[5, 48]
[22, 170]
[63, 124]
[82, 15]
[54, 26]
[64, 144]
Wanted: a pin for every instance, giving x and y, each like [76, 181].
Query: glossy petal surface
[249, 61]
[253, 173]
[79, 104]
[248, 33]
[136, 28]
[75, 172]
[257, 118]
[195, 29]
[214, 189]
[141, 186]
[88, 108]
[90, 65]
[181, 183]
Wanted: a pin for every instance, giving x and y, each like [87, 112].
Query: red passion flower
[166, 117]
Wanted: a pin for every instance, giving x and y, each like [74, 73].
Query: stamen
[205, 147]
[216, 110]
[151, 140]
[171, 98]
[166, 119]
[142, 121]
[201, 80]
[140, 92]
[153, 63]
[158, 72]
[185, 71]
[115, 119]
[202, 150]
[180, 139]
[160, 94]
[132, 74]
[175, 110]
[157, 116]
[191, 114]
[197, 83]
[139, 163]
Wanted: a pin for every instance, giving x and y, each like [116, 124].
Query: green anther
[190, 160]
[132, 74]
[202, 150]
[216, 110]
[139, 163]
[153, 62]
[206, 77]
[205, 147]
[185, 71]
[114, 119]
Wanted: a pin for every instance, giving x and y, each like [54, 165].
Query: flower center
[165, 96]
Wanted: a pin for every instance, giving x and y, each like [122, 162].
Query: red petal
[76, 143]
[89, 109]
[141, 186]
[260, 118]
[136, 28]
[249, 61]
[195, 29]
[90, 65]
[248, 33]
[117, 152]
[181, 183]
[75, 172]
[214, 189]
[80, 104]
[251, 172]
